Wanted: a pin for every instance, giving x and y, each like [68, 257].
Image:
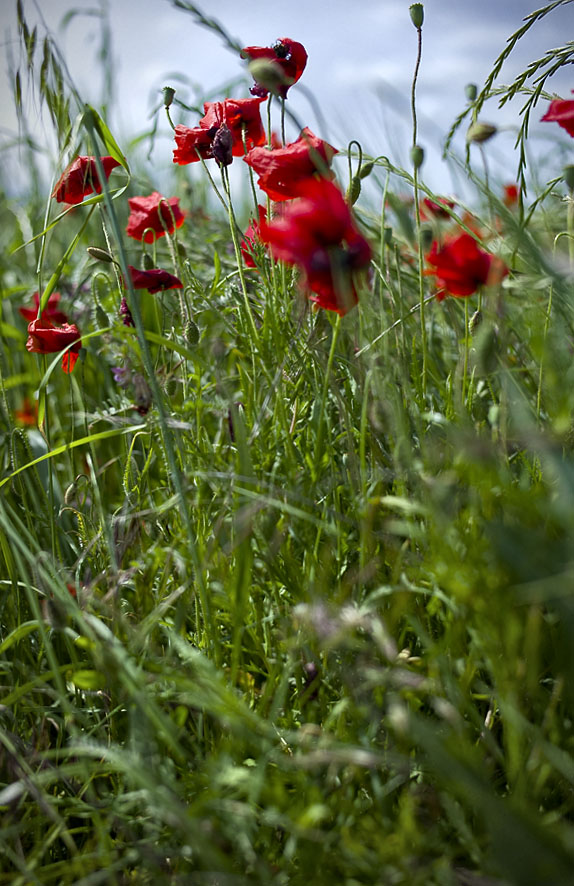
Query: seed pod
[417, 15]
[168, 96]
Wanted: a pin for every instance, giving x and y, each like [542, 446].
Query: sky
[359, 72]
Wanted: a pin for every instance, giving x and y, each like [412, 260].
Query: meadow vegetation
[286, 513]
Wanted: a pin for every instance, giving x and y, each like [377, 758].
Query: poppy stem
[418, 216]
[237, 248]
[283, 139]
[324, 393]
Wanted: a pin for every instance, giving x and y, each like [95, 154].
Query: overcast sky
[361, 58]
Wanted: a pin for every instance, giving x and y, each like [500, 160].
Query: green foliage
[288, 599]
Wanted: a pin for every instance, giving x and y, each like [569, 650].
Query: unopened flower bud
[191, 332]
[568, 176]
[367, 168]
[471, 91]
[480, 132]
[388, 235]
[148, 262]
[267, 74]
[222, 146]
[168, 96]
[354, 190]
[417, 15]
[100, 254]
[417, 156]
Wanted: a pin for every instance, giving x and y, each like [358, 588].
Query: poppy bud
[99, 254]
[366, 168]
[388, 236]
[426, 239]
[353, 190]
[267, 74]
[168, 95]
[568, 176]
[417, 15]
[417, 156]
[222, 146]
[191, 332]
[471, 91]
[148, 262]
[480, 132]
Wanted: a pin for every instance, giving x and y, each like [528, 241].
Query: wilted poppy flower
[252, 236]
[287, 55]
[283, 171]
[561, 111]
[241, 116]
[126, 314]
[318, 233]
[81, 178]
[155, 280]
[50, 312]
[462, 266]
[430, 210]
[154, 216]
[45, 338]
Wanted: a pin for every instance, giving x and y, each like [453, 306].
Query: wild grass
[295, 603]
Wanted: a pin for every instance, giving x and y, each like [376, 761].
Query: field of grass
[287, 592]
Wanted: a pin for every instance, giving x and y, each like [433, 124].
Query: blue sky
[361, 58]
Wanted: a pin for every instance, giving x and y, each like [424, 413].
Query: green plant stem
[324, 394]
[418, 217]
[238, 257]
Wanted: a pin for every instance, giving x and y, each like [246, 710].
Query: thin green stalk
[324, 394]
[418, 215]
[238, 257]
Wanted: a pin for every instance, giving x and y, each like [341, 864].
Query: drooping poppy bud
[100, 254]
[480, 132]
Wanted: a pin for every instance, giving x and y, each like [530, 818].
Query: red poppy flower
[50, 312]
[28, 415]
[462, 266]
[241, 116]
[317, 232]
[45, 338]
[430, 210]
[253, 236]
[288, 55]
[561, 111]
[155, 280]
[154, 216]
[510, 197]
[283, 171]
[81, 178]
